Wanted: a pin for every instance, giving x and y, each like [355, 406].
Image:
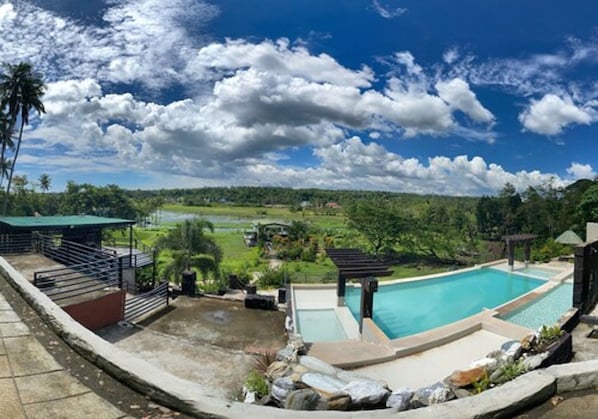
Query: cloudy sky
[436, 96]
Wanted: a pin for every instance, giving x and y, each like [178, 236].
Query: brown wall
[100, 312]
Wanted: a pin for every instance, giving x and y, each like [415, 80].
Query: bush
[257, 384]
[273, 278]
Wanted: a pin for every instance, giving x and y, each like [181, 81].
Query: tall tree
[6, 132]
[380, 222]
[21, 90]
[45, 182]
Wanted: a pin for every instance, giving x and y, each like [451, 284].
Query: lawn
[238, 257]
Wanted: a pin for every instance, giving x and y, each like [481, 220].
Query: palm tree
[45, 182]
[21, 90]
[6, 131]
[190, 246]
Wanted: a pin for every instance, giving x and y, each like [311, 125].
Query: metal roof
[63, 221]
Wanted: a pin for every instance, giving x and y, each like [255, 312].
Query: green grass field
[237, 256]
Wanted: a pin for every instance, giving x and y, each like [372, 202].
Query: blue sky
[447, 97]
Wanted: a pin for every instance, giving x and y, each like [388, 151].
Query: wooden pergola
[512, 241]
[355, 264]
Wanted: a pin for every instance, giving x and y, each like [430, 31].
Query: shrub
[511, 370]
[273, 277]
[257, 384]
[263, 360]
[550, 333]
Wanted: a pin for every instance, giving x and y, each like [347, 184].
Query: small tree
[188, 241]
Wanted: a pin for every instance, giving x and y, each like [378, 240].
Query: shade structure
[569, 237]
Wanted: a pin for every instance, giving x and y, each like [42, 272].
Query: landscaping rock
[512, 349]
[287, 354]
[297, 344]
[281, 387]
[322, 382]
[317, 365]
[338, 401]
[305, 399]
[529, 341]
[400, 399]
[277, 369]
[461, 393]
[534, 361]
[459, 379]
[367, 393]
[490, 364]
[496, 376]
[349, 376]
[434, 394]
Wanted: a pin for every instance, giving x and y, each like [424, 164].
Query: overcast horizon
[436, 97]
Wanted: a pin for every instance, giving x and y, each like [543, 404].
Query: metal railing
[87, 269]
[142, 304]
[80, 279]
[15, 244]
[67, 252]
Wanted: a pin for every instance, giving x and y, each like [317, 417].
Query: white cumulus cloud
[551, 114]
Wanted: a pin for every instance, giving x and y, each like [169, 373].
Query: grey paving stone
[4, 367]
[10, 406]
[48, 386]
[14, 329]
[8, 316]
[4, 304]
[28, 356]
[87, 405]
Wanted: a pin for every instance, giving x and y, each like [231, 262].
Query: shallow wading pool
[546, 310]
[319, 325]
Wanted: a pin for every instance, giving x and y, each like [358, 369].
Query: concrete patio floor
[208, 341]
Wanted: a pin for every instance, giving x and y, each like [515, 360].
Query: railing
[67, 252]
[75, 280]
[87, 270]
[142, 304]
[14, 244]
[138, 260]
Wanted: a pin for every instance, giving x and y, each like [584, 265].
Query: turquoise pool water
[538, 272]
[319, 325]
[544, 311]
[410, 307]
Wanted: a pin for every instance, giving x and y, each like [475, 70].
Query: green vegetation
[257, 384]
[482, 384]
[511, 370]
[416, 235]
[549, 333]
[21, 90]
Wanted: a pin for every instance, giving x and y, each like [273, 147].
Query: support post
[511, 254]
[368, 287]
[131, 245]
[341, 284]
[528, 251]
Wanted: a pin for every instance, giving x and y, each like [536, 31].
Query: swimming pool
[546, 310]
[409, 307]
[319, 325]
[538, 272]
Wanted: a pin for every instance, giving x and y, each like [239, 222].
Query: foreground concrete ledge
[528, 390]
[575, 376]
[194, 399]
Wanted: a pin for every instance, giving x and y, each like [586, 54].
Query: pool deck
[426, 357]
